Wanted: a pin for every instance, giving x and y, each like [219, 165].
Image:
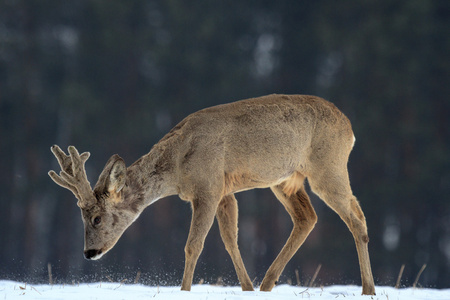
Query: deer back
[256, 143]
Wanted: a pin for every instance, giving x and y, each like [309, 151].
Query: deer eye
[97, 220]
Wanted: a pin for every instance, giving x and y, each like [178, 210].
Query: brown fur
[274, 142]
[293, 183]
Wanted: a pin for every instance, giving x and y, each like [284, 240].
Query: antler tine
[78, 162]
[73, 174]
[64, 160]
[66, 165]
[61, 182]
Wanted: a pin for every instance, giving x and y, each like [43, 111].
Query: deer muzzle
[93, 254]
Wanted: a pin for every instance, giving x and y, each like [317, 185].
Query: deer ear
[117, 176]
[113, 176]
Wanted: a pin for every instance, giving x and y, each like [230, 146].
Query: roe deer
[274, 142]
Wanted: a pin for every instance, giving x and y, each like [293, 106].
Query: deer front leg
[203, 211]
[227, 217]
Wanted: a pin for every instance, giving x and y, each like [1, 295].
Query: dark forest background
[115, 76]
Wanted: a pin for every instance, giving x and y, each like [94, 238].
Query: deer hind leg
[227, 217]
[304, 218]
[203, 211]
[334, 189]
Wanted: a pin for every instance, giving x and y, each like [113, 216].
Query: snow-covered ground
[111, 291]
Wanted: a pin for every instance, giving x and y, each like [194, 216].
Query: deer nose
[89, 254]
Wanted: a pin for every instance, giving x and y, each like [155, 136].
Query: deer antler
[73, 174]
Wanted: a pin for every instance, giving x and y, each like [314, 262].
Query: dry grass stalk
[36, 290]
[315, 275]
[297, 276]
[397, 285]
[121, 283]
[138, 275]
[220, 281]
[50, 276]
[418, 275]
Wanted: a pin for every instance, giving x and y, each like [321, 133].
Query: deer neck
[149, 178]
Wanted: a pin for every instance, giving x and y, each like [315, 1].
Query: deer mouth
[93, 254]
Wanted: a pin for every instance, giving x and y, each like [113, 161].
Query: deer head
[104, 220]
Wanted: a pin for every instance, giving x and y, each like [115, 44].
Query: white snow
[112, 291]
